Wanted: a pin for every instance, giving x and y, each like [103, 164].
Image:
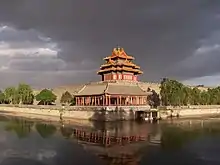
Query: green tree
[214, 94]
[46, 96]
[165, 91]
[196, 96]
[16, 98]
[66, 98]
[187, 98]
[172, 92]
[176, 94]
[153, 99]
[11, 95]
[25, 93]
[204, 98]
[2, 97]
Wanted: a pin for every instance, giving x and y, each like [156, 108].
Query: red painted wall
[120, 77]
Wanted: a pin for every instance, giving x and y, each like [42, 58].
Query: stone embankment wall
[110, 113]
[189, 111]
[46, 111]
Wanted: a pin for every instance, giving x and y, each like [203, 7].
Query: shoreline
[71, 120]
[47, 118]
[88, 116]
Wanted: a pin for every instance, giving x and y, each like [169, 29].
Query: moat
[195, 141]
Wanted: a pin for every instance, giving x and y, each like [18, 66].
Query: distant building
[200, 86]
[118, 85]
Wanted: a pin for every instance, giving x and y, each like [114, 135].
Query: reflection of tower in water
[127, 154]
[121, 159]
[110, 148]
[115, 144]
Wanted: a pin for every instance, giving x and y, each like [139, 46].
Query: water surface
[179, 142]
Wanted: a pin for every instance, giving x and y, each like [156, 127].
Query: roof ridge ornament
[119, 65]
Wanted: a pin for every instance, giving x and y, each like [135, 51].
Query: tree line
[174, 93]
[24, 94]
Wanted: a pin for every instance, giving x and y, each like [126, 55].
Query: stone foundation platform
[107, 113]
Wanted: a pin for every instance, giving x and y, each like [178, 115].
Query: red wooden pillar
[80, 101]
[103, 100]
[89, 100]
[136, 100]
[106, 100]
[109, 100]
[83, 101]
[99, 101]
[127, 100]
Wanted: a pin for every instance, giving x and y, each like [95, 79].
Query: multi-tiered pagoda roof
[119, 62]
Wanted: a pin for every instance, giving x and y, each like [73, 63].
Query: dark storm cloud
[37, 65]
[12, 36]
[159, 33]
[204, 61]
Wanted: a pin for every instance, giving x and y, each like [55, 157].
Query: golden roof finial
[118, 50]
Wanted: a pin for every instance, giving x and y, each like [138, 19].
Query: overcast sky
[58, 42]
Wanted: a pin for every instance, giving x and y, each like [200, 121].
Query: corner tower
[119, 66]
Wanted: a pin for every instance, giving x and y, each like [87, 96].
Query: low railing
[58, 107]
[189, 107]
[32, 106]
[73, 108]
